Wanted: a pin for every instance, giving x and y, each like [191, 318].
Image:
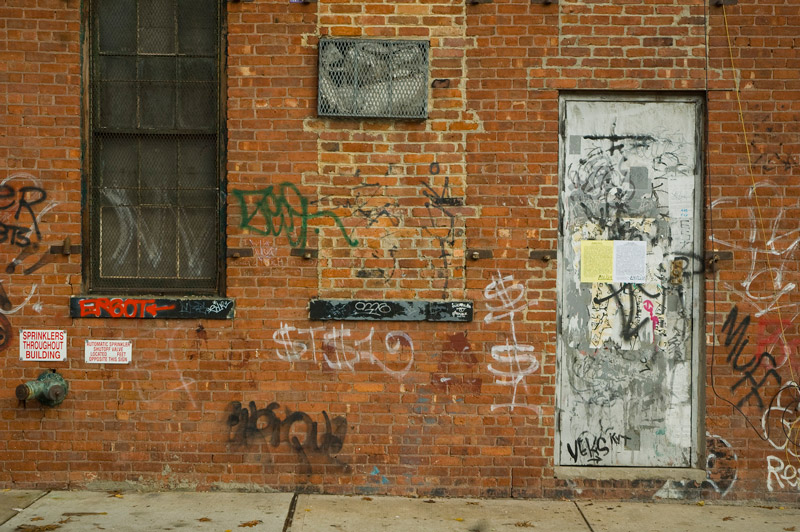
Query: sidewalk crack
[287, 525]
[580, 512]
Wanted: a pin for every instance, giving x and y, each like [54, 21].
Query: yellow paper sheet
[597, 261]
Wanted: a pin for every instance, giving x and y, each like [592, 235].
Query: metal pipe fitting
[49, 389]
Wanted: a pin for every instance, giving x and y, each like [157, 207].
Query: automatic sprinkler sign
[108, 351]
[48, 345]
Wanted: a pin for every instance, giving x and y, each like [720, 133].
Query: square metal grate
[373, 78]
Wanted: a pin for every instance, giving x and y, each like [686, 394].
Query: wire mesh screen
[155, 145]
[373, 78]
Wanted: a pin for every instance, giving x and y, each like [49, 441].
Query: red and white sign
[108, 351]
[46, 345]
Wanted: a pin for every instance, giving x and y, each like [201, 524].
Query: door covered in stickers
[630, 174]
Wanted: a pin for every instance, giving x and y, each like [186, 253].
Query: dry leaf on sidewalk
[250, 524]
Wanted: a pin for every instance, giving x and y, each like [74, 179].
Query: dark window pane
[116, 25]
[156, 26]
[197, 24]
[157, 105]
[197, 106]
[117, 163]
[116, 68]
[159, 163]
[197, 243]
[198, 163]
[116, 104]
[156, 68]
[118, 246]
[197, 198]
[197, 69]
[157, 243]
[165, 197]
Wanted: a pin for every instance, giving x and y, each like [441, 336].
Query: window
[155, 154]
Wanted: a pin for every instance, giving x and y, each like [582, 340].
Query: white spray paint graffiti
[338, 352]
[779, 420]
[782, 473]
[779, 248]
[505, 298]
[168, 374]
[265, 253]
[722, 470]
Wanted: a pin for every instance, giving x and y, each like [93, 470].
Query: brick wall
[272, 399]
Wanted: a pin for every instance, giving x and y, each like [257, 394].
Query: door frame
[698, 448]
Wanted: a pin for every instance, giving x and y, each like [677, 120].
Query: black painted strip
[151, 308]
[398, 310]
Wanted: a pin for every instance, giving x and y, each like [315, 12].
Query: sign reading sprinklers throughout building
[108, 351]
[46, 345]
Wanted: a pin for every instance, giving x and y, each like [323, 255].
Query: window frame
[90, 251]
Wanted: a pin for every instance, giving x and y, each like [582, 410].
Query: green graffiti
[280, 214]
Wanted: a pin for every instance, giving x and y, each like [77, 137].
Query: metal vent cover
[373, 78]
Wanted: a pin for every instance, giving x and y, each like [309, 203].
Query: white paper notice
[630, 261]
[108, 351]
[681, 197]
[43, 345]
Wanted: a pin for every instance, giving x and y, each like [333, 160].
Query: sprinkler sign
[108, 351]
[48, 345]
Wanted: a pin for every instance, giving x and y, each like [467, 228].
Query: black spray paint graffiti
[609, 191]
[17, 201]
[372, 203]
[628, 310]
[445, 234]
[283, 211]
[21, 209]
[594, 448]
[736, 340]
[23, 202]
[248, 426]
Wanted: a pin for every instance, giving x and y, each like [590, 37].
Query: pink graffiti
[648, 306]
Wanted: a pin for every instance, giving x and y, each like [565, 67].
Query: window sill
[219, 308]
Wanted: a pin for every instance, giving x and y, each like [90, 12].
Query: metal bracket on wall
[476, 254]
[473, 2]
[544, 2]
[544, 255]
[713, 257]
[237, 253]
[306, 253]
[719, 3]
[65, 249]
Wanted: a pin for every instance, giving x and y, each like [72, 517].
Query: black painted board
[151, 308]
[450, 311]
[379, 310]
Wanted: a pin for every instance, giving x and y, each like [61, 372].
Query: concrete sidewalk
[82, 511]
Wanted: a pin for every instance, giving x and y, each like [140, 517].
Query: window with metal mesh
[373, 78]
[155, 146]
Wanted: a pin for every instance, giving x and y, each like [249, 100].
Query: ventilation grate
[373, 78]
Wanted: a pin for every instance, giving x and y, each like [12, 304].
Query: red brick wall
[400, 407]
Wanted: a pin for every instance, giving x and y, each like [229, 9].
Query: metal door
[630, 169]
